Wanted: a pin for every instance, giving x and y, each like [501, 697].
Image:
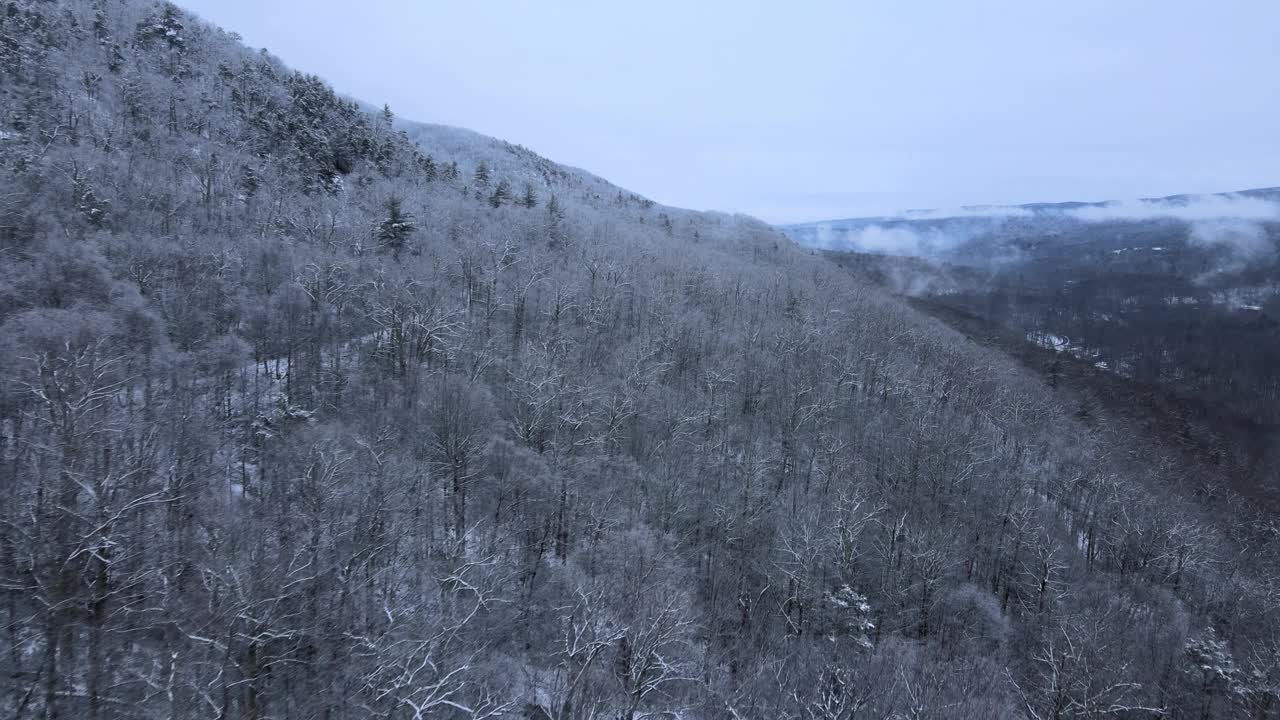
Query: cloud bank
[1193, 209]
[884, 239]
[1232, 222]
[972, 211]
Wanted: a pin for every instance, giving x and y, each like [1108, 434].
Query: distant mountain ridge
[967, 211]
[982, 234]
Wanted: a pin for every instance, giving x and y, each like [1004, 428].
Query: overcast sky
[806, 110]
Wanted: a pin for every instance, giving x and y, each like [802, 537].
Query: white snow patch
[1049, 341]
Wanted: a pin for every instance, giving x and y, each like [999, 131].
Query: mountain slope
[303, 416]
[508, 160]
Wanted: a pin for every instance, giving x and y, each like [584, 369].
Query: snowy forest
[311, 411]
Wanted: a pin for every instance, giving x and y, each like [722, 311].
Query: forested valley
[309, 411]
[1174, 323]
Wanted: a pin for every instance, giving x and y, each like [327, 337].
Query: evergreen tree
[501, 194]
[88, 203]
[480, 180]
[393, 232]
[556, 233]
[166, 26]
[100, 31]
[530, 198]
[249, 181]
[116, 60]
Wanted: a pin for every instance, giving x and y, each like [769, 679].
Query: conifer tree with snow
[529, 197]
[394, 231]
[555, 222]
[429, 169]
[501, 194]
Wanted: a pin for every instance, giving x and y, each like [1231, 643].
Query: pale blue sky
[822, 109]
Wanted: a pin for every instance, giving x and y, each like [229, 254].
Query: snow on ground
[1243, 298]
[1123, 250]
[1050, 341]
[1063, 344]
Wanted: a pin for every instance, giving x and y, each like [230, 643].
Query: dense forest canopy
[311, 412]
